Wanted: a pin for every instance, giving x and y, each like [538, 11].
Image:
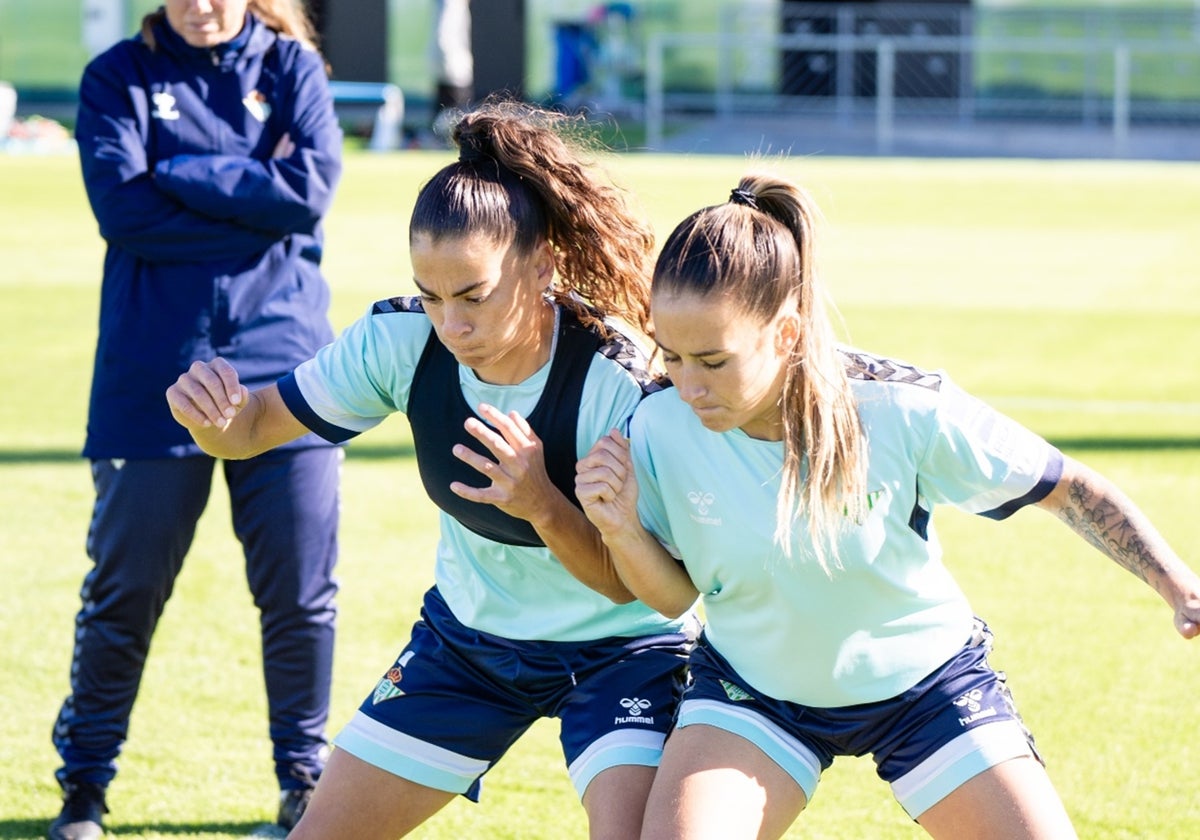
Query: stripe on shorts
[796, 760]
[408, 757]
[966, 756]
[633, 746]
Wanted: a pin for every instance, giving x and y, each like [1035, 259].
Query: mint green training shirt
[890, 613]
[511, 591]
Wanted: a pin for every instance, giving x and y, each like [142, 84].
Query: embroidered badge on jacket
[257, 105]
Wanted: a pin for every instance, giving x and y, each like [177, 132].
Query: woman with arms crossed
[210, 151]
[795, 481]
[507, 375]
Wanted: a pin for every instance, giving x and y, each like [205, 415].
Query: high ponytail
[523, 177]
[757, 252]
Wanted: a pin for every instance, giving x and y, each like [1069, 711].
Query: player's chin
[715, 419]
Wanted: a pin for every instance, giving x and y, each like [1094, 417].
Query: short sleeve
[359, 379]
[983, 461]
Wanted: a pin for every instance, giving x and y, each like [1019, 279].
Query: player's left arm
[1096, 509]
[521, 487]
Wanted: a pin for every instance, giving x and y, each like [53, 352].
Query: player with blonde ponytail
[790, 483]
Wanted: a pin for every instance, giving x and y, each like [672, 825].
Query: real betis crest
[257, 105]
[387, 688]
[733, 692]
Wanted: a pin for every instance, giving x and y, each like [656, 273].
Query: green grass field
[1064, 292]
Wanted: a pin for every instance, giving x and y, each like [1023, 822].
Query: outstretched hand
[208, 394]
[605, 484]
[1187, 618]
[520, 485]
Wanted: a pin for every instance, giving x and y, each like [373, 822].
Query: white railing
[1108, 99]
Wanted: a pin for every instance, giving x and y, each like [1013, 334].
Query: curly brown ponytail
[522, 177]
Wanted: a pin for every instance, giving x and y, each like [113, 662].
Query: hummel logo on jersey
[164, 106]
[864, 366]
[735, 692]
[635, 706]
[970, 701]
[389, 686]
[703, 501]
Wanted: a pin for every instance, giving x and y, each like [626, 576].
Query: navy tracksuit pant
[285, 514]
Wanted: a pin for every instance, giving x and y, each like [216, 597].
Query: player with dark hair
[524, 347]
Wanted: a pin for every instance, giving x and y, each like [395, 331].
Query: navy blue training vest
[437, 411]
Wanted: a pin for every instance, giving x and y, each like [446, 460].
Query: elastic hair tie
[743, 196]
[470, 149]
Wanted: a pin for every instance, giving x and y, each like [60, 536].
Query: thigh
[1014, 800]
[622, 707]
[615, 802]
[715, 785]
[355, 800]
[144, 519]
[958, 722]
[291, 485]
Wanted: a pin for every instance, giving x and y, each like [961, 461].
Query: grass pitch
[1064, 292]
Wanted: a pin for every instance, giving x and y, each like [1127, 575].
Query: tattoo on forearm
[1103, 524]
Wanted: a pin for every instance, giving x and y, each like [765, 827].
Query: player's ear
[544, 263]
[787, 331]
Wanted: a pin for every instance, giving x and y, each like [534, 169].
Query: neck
[519, 365]
[765, 428]
[768, 425]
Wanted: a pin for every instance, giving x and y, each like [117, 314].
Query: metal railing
[896, 66]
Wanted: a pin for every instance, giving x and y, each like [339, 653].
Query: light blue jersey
[888, 613]
[507, 590]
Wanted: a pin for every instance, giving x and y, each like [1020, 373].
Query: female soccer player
[520, 352]
[790, 482]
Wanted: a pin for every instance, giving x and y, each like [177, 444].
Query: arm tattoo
[1101, 521]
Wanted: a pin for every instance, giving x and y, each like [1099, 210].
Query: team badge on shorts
[735, 692]
[389, 686]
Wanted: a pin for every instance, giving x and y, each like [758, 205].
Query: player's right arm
[226, 419]
[607, 489]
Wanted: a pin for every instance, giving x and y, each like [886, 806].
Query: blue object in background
[574, 44]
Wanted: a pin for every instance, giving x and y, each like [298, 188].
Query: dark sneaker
[83, 808]
[291, 806]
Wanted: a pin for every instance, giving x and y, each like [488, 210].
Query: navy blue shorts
[957, 722]
[456, 699]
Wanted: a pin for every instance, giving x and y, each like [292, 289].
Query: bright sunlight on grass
[1065, 292]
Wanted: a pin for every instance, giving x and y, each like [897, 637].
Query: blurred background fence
[900, 64]
[1111, 68]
